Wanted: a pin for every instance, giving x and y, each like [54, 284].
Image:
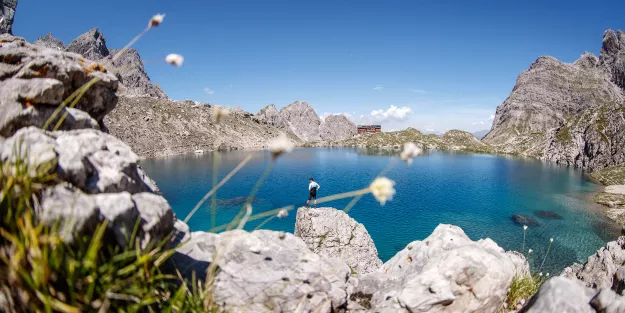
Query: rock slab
[332, 233]
[266, 271]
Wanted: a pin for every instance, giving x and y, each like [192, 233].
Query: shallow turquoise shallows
[479, 193]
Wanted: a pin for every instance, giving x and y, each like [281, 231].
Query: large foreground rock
[97, 178]
[446, 272]
[332, 233]
[35, 80]
[266, 271]
[599, 270]
[560, 294]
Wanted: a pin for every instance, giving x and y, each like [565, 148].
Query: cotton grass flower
[410, 151]
[280, 145]
[524, 227]
[530, 251]
[156, 20]
[550, 239]
[540, 274]
[547, 275]
[283, 213]
[219, 114]
[174, 59]
[383, 189]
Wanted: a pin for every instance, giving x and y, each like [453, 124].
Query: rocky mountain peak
[337, 126]
[128, 68]
[612, 56]
[587, 60]
[92, 45]
[270, 115]
[6, 15]
[302, 119]
[567, 113]
[50, 42]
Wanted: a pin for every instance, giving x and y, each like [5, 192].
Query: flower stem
[221, 183]
[545, 258]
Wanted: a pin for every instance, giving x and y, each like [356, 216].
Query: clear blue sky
[450, 62]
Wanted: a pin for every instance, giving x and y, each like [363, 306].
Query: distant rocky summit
[567, 113]
[301, 119]
[134, 80]
[7, 15]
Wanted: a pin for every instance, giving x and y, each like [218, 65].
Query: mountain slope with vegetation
[456, 140]
[567, 113]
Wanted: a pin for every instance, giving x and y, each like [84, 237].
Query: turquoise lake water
[477, 192]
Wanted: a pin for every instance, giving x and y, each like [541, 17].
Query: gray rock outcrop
[7, 15]
[446, 272]
[612, 56]
[332, 233]
[560, 294]
[35, 80]
[97, 178]
[302, 120]
[270, 115]
[337, 127]
[599, 270]
[593, 139]
[266, 271]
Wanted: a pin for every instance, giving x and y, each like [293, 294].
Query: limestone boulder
[266, 271]
[35, 80]
[446, 272]
[332, 233]
[600, 268]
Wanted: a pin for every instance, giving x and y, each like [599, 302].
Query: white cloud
[421, 91]
[492, 117]
[209, 91]
[378, 87]
[392, 113]
[481, 123]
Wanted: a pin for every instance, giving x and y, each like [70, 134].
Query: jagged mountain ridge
[129, 69]
[541, 117]
[301, 118]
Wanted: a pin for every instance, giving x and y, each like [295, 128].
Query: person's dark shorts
[312, 195]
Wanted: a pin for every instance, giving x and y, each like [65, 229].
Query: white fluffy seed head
[174, 59]
[282, 213]
[219, 113]
[383, 189]
[280, 145]
[550, 239]
[530, 251]
[540, 274]
[410, 151]
[156, 20]
[524, 227]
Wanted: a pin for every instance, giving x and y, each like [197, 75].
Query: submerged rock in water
[548, 215]
[332, 233]
[524, 220]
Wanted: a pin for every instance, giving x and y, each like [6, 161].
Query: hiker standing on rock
[312, 191]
